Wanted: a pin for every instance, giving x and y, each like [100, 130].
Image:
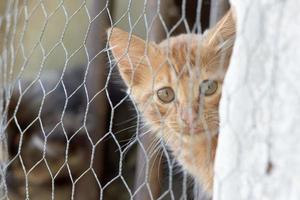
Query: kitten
[177, 87]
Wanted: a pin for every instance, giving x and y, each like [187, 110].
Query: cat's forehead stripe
[182, 57]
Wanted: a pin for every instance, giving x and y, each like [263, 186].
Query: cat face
[177, 83]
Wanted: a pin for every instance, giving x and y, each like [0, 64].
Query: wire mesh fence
[113, 99]
[68, 129]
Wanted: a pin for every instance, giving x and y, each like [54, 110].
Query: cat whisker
[126, 121]
[154, 146]
[133, 140]
[125, 129]
[140, 126]
[159, 154]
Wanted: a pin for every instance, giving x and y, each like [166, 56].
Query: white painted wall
[260, 107]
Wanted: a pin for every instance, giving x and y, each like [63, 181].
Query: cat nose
[189, 116]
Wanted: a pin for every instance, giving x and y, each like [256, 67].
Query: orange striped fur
[182, 63]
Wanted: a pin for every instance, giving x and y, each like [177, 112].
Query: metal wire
[68, 129]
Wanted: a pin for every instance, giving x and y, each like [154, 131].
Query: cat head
[176, 84]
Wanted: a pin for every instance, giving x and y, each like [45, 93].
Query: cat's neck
[196, 154]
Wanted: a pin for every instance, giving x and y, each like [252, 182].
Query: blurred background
[68, 130]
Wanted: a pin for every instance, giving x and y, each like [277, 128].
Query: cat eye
[166, 94]
[208, 87]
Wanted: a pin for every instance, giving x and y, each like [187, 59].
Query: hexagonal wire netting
[68, 127]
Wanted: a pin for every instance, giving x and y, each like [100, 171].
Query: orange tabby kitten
[177, 87]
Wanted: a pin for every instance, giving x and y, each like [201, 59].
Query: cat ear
[133, 56]
[221, 37]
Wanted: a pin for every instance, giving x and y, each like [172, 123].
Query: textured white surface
[260, 107]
